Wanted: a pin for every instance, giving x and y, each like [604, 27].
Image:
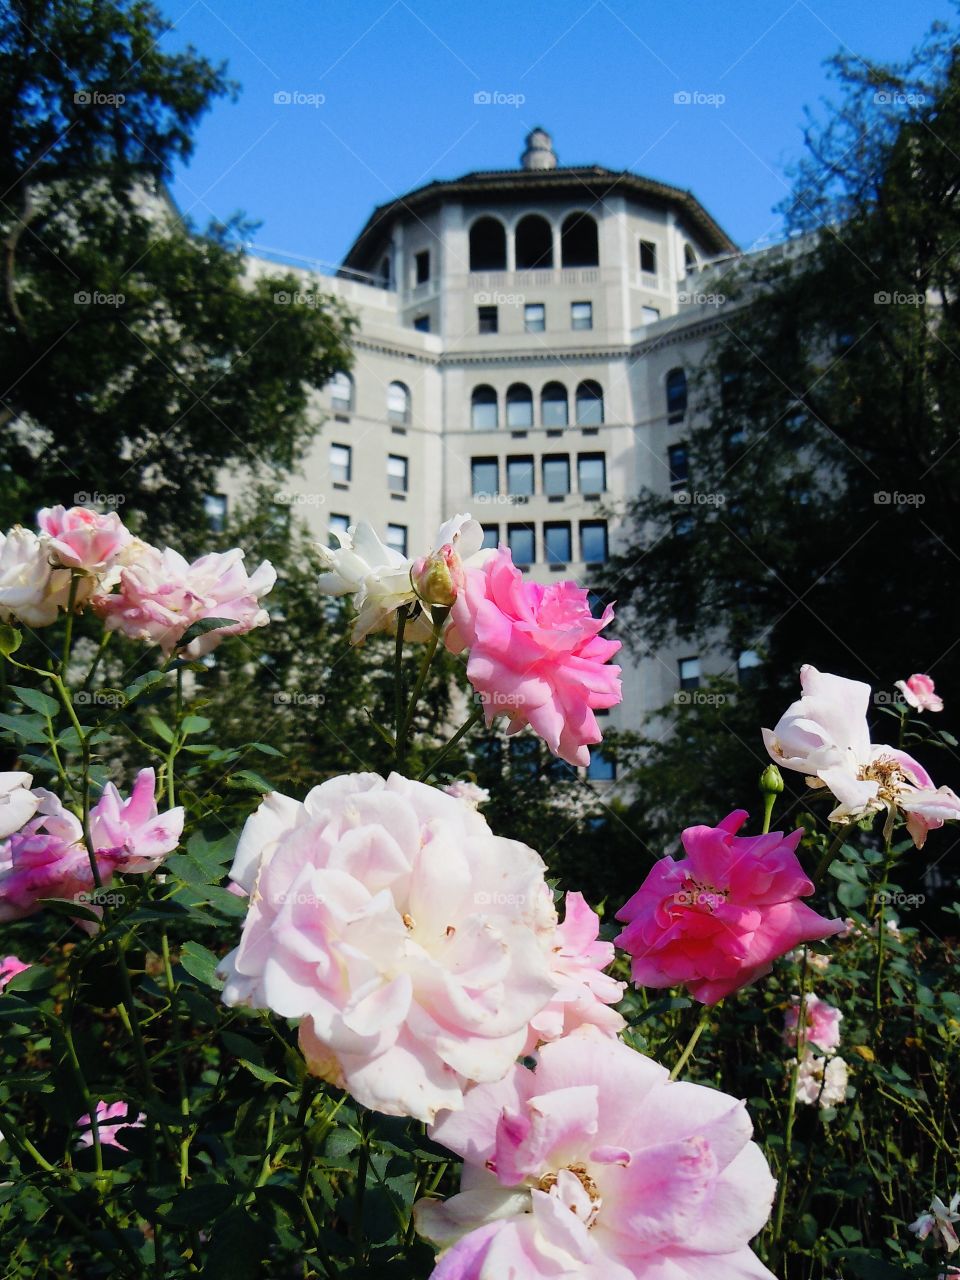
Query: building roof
[591, 183]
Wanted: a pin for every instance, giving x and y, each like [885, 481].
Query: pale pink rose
[595, 1166]
[81, 538]
[824, 735]
[135, 835]
[821, 1023]
[110, 1121]
[578, 960]
[10, 966]
[536, 655]
[717, 919]
[919, 692]
[412, 942]
[32, 591]
[160, 596]
[46, 858]
[17, 802]
[468, 792]
[942, 1219]
[821, 1081]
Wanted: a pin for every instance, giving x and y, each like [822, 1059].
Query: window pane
[519, 406]
[648, 256]
[398, 402]
[396, 473]
[423, 266]
[483, 409]
[397, 537]
[491, 536]
[676, 392]
[520, 476]
[600, 769]
[341, 391]
[556, 538]
[337, 524]
[650, 315]
[487, 319]
[215, 507]
[340, 463]
[520, 542]
[534, 317]
[689, 673]
[748, 667]
[553, 405]
[485, 476]
[679, 465]
[593, 541]
[422, 323]
[581, 315]
[589, 404]
[556, 475]
[524, 757]
[592, 472]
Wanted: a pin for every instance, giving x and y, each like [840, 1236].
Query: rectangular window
[524, 757]
[422, 266]
[487, 320]
[592, 472]
[340, 463]
[689, 669]
[422, 324]
[520, 477]
[749, 668]
[521, 543]
[581, 315]
[556, 474]
[491, 536]
[593, 541]
[397, 537]
[485, 477]
[337, 524]
[648, 257]
[600, 768]
[557, 543]
[534, 317]
[397, 469]
[215, 508]
[679, 465]
[650, 315]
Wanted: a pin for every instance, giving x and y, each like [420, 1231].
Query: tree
[825, 432]
[139, 359]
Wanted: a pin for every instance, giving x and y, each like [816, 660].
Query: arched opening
[484, 411]
[676, 394]
[533, 243]
[488, 245]
[589, 404]
[341, 392]
[519, 405]
[398, 403]
[578, 241]
[553, 405]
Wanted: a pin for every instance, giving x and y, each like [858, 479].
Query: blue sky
[383, 98]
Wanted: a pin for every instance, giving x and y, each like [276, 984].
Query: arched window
[488, 245]
[676, 394]
[398, 403]
[484, 411]
[589, 404]
[534, 242]
[519, 406]
[341, 392]
[553, 405]
[578, 241]
[689, 258]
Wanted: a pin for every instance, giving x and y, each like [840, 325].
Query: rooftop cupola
[539, 153]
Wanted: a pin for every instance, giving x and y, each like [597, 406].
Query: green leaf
[265, 749]
[10, 640]
[262, 1073]
[36, 700]
[198, 1205]
[160, 729]
[143, 683]
[37, 978]
[67, 907]
[948, 738]
[28, 728]
[249, 780]
[237, 1247]
[202, 627]
[200, 964]
[194, 724]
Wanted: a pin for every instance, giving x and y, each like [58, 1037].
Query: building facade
[524, 345]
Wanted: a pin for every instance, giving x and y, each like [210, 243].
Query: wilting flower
[469, 792]
[586, 993]
[161, 595]
[380, 578]
[821, 1022]
[821, 1080]
[10, 966]
[110, 1120]
[536, 655]
[919, 692]
[32, 591]
[133, 832]
[413, 942]
[596, 1166]
[81, 538]
[824, 735]
[717, 919]
[940, 1218]
[17, 802]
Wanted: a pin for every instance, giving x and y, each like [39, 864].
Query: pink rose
[412, 942]
[536, 655]
[82, 538]
[596, 1166]
[717, 919]
[161, 596]
[919, 692]
[821, 1023]
[586, 993]
[10, 966]
[822, 1081]
[32, 591]
[133, 832]
[107, 1132]
[17, 802]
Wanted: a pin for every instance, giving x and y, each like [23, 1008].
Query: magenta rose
[536, 655]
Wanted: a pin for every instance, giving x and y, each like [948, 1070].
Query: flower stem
[444, 751]
[75, 577]
[181, 1077]
[691, 1043]
[398, 679]
[406, 723]
[363, 1162]
[784, 1175]
[834, 848]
